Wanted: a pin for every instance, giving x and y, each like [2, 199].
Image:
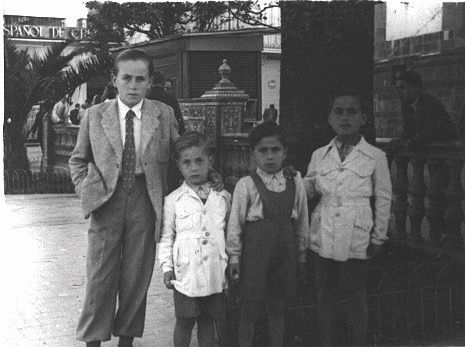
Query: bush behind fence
[28, 182]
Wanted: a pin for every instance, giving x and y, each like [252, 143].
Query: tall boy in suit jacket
[119, 169]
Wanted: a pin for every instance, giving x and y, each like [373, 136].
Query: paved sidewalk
[42, 261]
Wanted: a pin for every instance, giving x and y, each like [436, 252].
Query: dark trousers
[120, 260]
[342, 280]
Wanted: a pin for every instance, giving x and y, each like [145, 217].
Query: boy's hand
[234, 271]
[216, 179]
[289, 172]
[373, 250]
[167, 278]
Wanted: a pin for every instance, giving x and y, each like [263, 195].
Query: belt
[344, 201]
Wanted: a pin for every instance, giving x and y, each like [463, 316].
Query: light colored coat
[342, 223]
[96, 161]
[193, 241]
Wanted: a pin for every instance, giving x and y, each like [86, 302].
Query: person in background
[270, 114]
[168, 86]
[83, 111]
[194, 223]
[345, 231]
[60, 111]
[74, 114]
[157, 92]
[425, 120]
[266, 235]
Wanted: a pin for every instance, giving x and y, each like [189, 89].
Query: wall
[439, 57]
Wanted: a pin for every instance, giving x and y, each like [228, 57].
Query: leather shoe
[125, 341]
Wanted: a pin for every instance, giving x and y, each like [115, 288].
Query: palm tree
[32, 79]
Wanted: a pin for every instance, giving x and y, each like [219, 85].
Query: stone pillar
[400, 202]
[417, 189]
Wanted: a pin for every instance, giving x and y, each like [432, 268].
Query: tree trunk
[14, 151]
[326, 46]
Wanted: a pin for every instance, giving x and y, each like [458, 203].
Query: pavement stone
[42, 262]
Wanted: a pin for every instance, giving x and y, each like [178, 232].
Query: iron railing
[412, 300]
[28, 182]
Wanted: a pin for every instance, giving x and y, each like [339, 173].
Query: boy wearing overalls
[266, 233]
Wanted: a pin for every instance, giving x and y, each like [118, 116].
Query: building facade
[37, 34]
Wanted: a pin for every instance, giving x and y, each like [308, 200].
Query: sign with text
[44, 32]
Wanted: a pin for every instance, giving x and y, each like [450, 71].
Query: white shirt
[343, 224]
[193, 242]
[137, 109]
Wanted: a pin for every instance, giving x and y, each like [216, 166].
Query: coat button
[205, 258]
[338, 214]
[207, 234]
[204, 242]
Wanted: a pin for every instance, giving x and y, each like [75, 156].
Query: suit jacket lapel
[149, 125]
[112, 129]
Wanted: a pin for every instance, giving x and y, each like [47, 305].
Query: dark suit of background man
[425, 118]
[270, 114]
[119, 168]
[157, 92]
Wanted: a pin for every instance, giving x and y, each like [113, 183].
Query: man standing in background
[157, 92]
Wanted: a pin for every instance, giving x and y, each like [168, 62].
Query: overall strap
[276, 205]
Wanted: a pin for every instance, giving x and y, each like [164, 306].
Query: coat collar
[361, 147]
[186, 189]
[149, 124]
[112, 129]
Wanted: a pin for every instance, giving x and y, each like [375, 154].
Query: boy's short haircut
[189, 140]
[412, 78]
[133, 54]
[352, 93]
[265, 130]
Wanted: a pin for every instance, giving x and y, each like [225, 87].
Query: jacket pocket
[315, 225]
[362, 169]
[363, 224]
[184, 220]
[93, 176]
[181, 262]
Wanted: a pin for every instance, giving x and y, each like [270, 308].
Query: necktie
[202, 193]
[129, 154]
[343, 151]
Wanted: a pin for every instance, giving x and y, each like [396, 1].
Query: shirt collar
[205, 187]
[361, 146]
[123, 108]
[267, 178]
